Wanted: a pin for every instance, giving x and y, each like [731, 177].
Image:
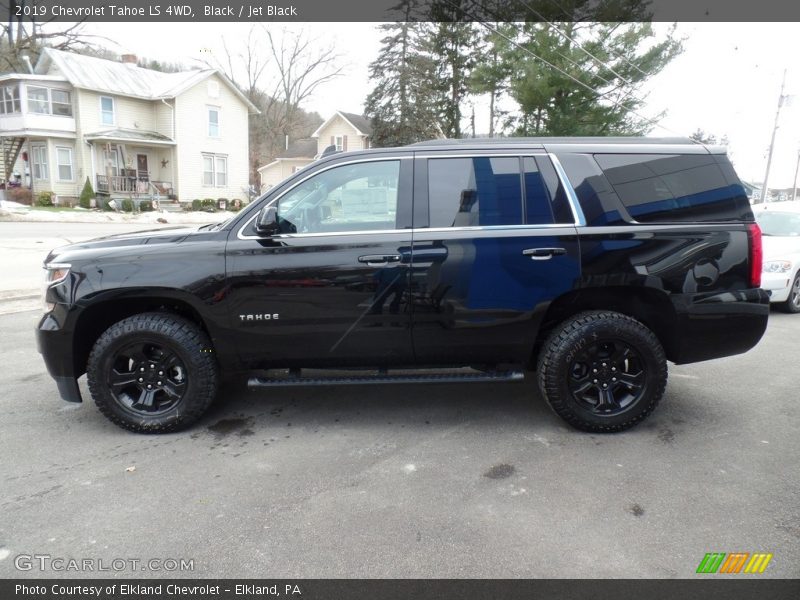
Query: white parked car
[780, 227]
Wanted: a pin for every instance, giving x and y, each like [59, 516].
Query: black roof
[303, 148]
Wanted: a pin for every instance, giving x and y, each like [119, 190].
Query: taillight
[756, 254]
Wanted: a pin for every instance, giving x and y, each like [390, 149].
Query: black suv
[590, 262]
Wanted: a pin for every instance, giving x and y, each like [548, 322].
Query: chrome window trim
[574, 203]
[247, 223]
[467, 154]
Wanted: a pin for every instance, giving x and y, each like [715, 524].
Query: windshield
[779, 223]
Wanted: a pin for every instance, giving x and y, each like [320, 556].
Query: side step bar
[381, 378]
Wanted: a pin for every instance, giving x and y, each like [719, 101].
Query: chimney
[129, 59]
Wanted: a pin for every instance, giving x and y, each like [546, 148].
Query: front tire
[602, 371]
[792, 304]
[153, 373]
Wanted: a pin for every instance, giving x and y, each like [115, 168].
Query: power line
[565, 36]
[617, 55]
[556, 68]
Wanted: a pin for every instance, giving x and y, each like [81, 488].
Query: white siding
[272, 175]
[191, 121]
[338, 126]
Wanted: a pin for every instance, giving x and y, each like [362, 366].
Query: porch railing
[127, 184]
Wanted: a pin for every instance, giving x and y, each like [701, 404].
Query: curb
[15, 295]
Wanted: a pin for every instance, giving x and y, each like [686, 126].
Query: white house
[133, 132]
[345, 131]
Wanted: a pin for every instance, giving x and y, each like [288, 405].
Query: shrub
[44, 199]
[146, 206]
[209, 205]
[197, 205]
[127, 205]
[86, 195]
[21, 195]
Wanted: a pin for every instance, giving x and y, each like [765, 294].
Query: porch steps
[11, 147]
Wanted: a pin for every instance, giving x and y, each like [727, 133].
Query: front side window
[477, 191]
[64, 156]
[213, 121]
[107, 110]
[39, 162]
[353, 197]
[38, 101]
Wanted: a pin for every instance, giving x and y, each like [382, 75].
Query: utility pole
[796, 169]
[765, 189]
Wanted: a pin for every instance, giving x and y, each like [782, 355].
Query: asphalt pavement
[469, 480]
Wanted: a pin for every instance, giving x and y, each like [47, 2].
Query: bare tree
[25, 36]
[301, 65]
[278, 72]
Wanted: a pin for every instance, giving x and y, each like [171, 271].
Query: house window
[106, 110]
[111, 159]
[61, 103]
[213, 121]
[45, 101]
[39, 162]
[9, 99]
[215, 170]
[64, 161]
[338, 141]
[38, 100]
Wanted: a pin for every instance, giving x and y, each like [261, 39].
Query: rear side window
[476, 191]
[673, 187]
[598, 200]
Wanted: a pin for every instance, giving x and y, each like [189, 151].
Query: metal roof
[130, 135]
[125, 79]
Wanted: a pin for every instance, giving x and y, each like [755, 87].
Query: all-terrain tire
[562, 370]
[190, 372]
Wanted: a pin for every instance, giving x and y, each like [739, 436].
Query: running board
[503, 376]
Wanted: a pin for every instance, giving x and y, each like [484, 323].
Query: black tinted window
[598, 200]
[466, 192]
[661, 187]
[537, 196]
[559, 207]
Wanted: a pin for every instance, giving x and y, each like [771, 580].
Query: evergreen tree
[595, 88]
[403, 103]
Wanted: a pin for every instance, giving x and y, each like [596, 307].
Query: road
[29, 244]
[474, 480]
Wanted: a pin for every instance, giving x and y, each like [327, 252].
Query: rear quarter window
[675, 187]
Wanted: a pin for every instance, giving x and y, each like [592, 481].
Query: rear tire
[602, 371]
[153, 373]
[792, 303]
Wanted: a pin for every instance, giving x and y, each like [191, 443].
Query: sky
[727, 81]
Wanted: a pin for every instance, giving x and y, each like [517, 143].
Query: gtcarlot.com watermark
[60, 564]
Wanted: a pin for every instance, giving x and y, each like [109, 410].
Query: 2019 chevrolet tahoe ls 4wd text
[586, 262]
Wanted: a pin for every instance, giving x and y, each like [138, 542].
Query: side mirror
[267, 220]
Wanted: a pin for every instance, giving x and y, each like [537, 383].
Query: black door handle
[379, 259]
[543, 253]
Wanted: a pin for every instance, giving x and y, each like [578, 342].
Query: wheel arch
[102, 313]
[649, 306]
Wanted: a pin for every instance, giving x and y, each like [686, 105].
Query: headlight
[777, 266]
[54, 273]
